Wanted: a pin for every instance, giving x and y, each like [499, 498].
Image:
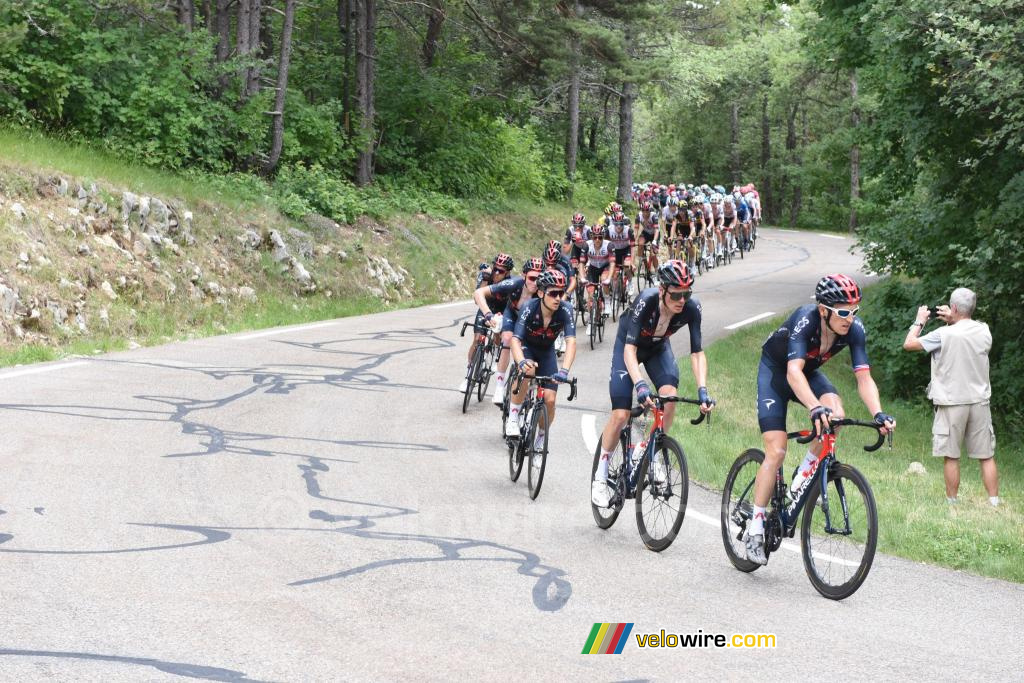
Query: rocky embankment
[88, 261]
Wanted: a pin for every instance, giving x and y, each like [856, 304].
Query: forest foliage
[896, 119]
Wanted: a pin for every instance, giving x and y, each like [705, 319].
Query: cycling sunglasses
[679, 296]
[842, 312]
[555, 293]
[532, 278]
[499, 271]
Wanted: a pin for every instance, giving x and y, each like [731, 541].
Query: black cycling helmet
[532, 264]
[551, 279]
[675, 273]
[837, 290]
[505, 261]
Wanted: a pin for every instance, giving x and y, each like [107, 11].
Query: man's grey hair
[964, 300]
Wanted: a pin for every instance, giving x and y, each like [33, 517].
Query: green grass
[915, 521]
[38, 151]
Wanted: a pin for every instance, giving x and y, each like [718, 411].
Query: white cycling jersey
[598, 258]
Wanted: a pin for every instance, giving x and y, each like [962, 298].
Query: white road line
[588, 424]
[284, 330]
[454, 303]
[783, 230]
[831, 237]
[43, 368]
[755, 318]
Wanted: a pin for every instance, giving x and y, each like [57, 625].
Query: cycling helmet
[646, 206]
[672, 187]
[551, 279]
[619, 217]
[552, 253]
[675, 273]
[729, 199]
[532, 264]
[505, 261]
[836, 290]
[578, 219]
[616, 207]
[597, 231]
[695, 202]
[608, 210]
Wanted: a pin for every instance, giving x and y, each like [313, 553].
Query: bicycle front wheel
[485, 370]
[738, 507]
[663, 486]
[474, 369]
[838, 535]
[537, 449]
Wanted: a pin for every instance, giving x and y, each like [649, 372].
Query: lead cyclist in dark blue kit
[540, 321]
[494, 303]
[643, 337]
[791, 359]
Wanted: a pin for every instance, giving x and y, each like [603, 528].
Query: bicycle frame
[654, 436]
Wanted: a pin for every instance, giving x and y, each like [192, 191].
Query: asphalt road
[311, 504]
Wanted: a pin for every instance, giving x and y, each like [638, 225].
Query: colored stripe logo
[607, 639]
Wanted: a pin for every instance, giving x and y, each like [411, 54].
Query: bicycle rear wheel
[593, 321]
[605, 517]
[510, 382]
[737, 507]
[537, 449]
[661, 504]
[471, 380]
[616, 295]
[838, 537]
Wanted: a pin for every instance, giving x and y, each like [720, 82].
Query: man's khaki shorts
[955, 425]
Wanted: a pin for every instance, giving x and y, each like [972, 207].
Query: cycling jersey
[577, 236]
[742, 210]
[648, 225]
[598, 257]
[500, 292]
[511, 314]
[800, 337]
[621, 239]
[564, 266]
[642, 322]
[530, 329]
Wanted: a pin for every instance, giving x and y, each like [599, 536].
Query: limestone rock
[250, 239]
[108, 290]
[84, 250]
[18, 210]
[8, 300]
[279, 250]
[302, 242]
[247, 294]
[129, 202]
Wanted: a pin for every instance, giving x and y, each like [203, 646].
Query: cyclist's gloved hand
[886, 420]
[820, 414]
[487, 316]
[643, 392]
[704, 398]
[562, 375]
[482, 266]
[525, 365]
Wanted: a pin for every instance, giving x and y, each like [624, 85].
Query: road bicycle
[706, 260]
[533, 417]
[481, 368]
[839, 530]
[651, 469]
[597, 315]
[732, 244]
[620, 292]
[644, 275]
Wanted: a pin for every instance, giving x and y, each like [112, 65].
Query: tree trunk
[206, 14]
[187, 14]
[625, 143]
[252, 72]
[767, 199]
[365, 68]
[572, 135]
[854, 154]
[346, 20]
[798, 189]
[434, 26]
[277, 125]
[734, 144]
[592, 142]
[223, 31]
[791, 154]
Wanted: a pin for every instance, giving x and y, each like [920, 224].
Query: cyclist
[622, 241]
[643, 337]
[517, 291]
[647, 229]
[598, 263]
[492, 305]
[743, 214]
[540, 321]
[554, 259]
[791, 359]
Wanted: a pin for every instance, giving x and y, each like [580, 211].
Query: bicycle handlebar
[640, 410]
[552, 378]
[803, 437]
[482, 329]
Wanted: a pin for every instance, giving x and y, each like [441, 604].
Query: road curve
[309, 503]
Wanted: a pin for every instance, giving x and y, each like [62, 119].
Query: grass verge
[915, 521]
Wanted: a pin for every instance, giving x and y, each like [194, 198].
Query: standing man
[960, 389]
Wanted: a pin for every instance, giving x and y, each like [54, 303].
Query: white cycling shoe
[600, 493]
[512, 426]
[499, 394]
[463, 385]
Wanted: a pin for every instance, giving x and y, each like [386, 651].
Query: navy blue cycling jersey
[502, 292]
[565, 267]
[530, 328]
[742, 210]
[641, 322]
[800, 337]
[515, 293]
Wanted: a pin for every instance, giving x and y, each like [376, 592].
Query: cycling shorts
[684, 230]
[547, 363]
[661, 366]
[509, 319]
[577, 255]
[622, 255]
[594, 273]
[774, 393]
